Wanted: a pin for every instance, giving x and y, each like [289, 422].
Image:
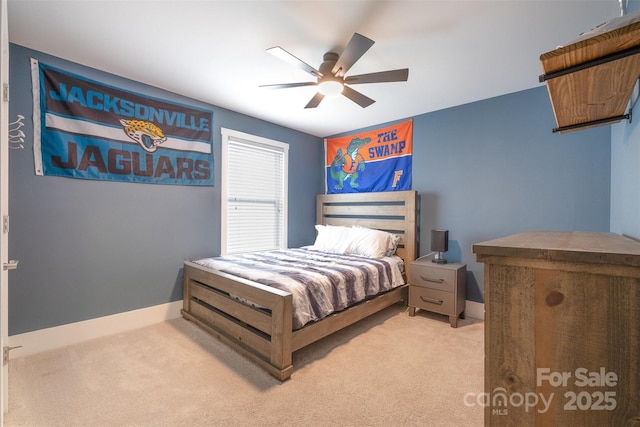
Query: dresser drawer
[433, 277]
[431, 299]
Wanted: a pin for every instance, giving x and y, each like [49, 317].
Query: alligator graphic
[346, 165]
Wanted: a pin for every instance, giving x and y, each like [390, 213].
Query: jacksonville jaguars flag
[89, 130]
[373, 161]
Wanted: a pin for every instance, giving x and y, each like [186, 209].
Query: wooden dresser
[562, 330]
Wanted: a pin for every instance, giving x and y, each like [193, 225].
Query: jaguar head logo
[146, 134]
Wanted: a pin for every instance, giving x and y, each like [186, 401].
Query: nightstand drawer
[431, 299]
[433, 277]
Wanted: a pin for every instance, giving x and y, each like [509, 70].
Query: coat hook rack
[16, 135]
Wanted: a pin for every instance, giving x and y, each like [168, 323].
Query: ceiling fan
[330, 76]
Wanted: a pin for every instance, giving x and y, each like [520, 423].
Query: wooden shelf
[591, 79]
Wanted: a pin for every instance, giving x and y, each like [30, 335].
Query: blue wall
[89, 249]
[625, 179]
[625, 169]
[506, 172]
[483, 170]
[493, 168]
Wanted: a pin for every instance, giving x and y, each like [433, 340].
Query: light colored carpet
[387, 370]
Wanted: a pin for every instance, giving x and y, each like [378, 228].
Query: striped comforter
[320, 282]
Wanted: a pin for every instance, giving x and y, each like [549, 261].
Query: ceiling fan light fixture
[330, 76]
[330, 87]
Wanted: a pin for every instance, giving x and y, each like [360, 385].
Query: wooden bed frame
[266, 336]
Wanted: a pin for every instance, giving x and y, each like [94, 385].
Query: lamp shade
[440, 240]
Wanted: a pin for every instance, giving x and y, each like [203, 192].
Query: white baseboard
[474, 309]
[61, 336]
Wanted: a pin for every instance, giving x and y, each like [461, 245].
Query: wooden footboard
[262, 334]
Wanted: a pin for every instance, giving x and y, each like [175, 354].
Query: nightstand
[441, 288]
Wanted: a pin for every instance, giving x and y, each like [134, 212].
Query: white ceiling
[215, 50]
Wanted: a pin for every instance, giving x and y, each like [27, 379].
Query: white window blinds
[254, 193]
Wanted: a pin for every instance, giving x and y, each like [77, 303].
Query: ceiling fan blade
[356, 47]
[287, 57]
[357, 97]
[380, 77]
[315, 101]
[288, 85]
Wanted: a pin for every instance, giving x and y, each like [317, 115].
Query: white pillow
[370, 243]
[332, 238]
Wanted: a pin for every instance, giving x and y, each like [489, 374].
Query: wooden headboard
[393, 211]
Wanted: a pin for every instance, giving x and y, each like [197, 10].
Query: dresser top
[573, 246]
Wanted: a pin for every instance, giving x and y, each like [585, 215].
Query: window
[254, 193]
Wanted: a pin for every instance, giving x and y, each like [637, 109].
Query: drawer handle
[431, 300]
[431, 279]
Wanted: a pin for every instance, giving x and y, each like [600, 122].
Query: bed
[257, 320]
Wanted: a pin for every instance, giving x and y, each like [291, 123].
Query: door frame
[4, 206]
